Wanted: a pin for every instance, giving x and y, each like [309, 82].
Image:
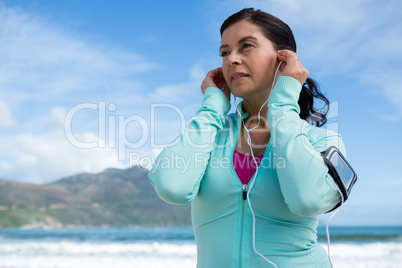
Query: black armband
[340, 170]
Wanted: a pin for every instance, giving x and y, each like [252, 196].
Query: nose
[233, 59]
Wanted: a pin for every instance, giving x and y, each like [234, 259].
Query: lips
[238, 76]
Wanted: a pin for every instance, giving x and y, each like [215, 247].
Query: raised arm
[304, 179]
[179, 168]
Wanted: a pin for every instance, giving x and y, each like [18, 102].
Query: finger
[215, 72]
[291, 61]
[292, 67]
[287, 55]
[210, 78]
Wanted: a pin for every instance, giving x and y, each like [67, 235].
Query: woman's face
[249, 60]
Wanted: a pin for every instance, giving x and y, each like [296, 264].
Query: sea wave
[149, 254]
[171, 246]
[367, 255]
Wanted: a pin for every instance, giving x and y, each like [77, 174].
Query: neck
[253, 106]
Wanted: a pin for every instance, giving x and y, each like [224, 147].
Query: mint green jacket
[291, 189]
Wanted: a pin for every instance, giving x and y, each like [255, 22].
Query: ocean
[142, 247]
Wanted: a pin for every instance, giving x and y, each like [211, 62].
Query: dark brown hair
[280, 34]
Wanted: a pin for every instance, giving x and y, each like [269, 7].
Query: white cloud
[45, 71]
[39, 61]
[183, 94]
[386, 85]
[45, 158]
[57, 116]
[175, 94]
[6, 118]
[197, 73]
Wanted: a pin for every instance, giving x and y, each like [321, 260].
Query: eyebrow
[240, 41]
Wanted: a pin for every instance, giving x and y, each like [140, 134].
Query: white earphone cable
[255, 175]
[256, 165]
[329, 219]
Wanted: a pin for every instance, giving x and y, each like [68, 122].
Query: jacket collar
[240, 109]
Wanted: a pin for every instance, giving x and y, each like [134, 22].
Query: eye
[224, 53]
[247, 45]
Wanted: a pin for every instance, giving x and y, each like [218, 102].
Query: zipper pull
[244, 191]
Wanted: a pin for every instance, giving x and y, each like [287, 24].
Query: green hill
[114, 197]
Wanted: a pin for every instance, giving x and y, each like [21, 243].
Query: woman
[270, 219]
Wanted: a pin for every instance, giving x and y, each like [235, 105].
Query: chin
[239, 91]
[242, 93]
[237, 95]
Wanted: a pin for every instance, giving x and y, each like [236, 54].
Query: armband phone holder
[340, 170]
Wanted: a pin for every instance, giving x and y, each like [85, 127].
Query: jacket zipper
[244, 195]
[244, 191]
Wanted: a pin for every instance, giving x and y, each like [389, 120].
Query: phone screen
[344, 171]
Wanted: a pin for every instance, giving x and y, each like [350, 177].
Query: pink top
[244, 165]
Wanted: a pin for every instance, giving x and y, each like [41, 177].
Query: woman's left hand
[291, 66]
[215, 78]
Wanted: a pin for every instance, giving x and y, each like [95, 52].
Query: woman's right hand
[291, 66]
[214, 78]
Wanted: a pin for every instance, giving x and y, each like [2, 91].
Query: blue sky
[101, 68]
